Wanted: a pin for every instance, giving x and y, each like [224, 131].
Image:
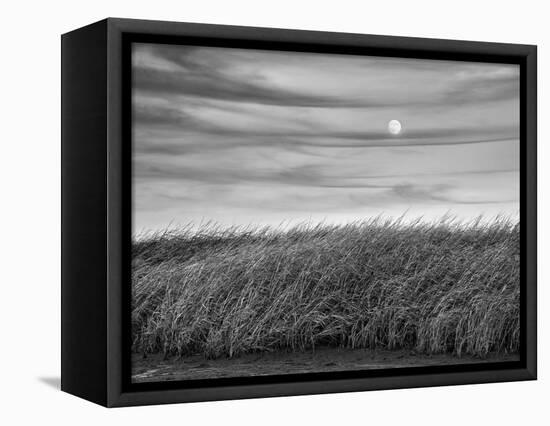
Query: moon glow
[394, 127]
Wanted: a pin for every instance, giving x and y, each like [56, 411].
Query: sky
[255, 137]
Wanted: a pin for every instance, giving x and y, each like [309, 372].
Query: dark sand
[155, 368]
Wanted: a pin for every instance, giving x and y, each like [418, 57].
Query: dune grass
[440, 287]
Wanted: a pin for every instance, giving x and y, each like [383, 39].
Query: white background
[30, 238]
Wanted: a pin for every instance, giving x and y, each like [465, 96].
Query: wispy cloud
[208, 76]
[174, 122]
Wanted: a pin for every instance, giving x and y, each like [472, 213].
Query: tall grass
[434, 288]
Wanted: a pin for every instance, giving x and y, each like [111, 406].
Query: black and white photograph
[298, 212]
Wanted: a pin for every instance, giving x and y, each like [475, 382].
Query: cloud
[174, 122]
[201, 73]
[155, 116]
[488, 86]
[294, 141]
[313, 176]
[219, 85]
[437, 193]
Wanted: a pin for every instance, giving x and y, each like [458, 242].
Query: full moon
[394, 127]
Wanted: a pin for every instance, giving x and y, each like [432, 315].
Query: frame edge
[83, 222]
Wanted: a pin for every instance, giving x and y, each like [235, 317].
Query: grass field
[432, 288]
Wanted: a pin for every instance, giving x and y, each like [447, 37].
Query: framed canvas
[254, 212]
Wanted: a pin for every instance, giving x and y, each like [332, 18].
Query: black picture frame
[96, 211]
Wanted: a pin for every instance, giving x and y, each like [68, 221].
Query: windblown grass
[434, 288]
